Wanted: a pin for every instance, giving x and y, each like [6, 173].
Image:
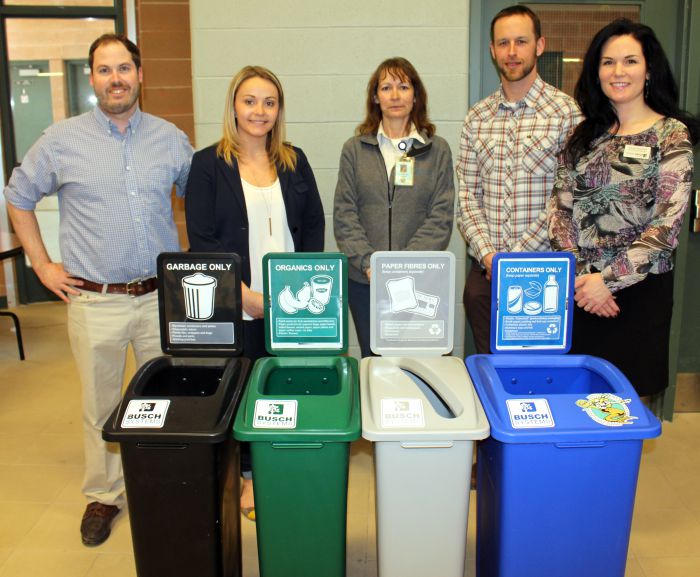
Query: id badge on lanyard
[403, 171]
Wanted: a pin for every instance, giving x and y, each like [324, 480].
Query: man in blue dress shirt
[113, 170]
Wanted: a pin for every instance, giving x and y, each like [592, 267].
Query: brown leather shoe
[97, 523]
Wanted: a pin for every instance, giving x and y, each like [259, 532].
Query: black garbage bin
[180, 461]
[182, 480]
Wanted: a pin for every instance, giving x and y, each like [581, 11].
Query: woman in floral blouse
[618, 202]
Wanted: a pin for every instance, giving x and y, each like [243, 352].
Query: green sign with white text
[305, 296]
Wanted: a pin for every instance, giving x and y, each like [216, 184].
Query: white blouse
[268, 230]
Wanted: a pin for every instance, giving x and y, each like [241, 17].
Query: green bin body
[300, 474]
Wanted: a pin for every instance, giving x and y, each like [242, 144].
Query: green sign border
[311, 345]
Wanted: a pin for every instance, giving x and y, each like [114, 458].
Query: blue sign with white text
[532, 302]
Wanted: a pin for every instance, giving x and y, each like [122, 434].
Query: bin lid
[532, 302]
[419, 399]
[306, 305]
[559, 399]
[176, 400]
[199, 300]
[412, 303]
[301, 400]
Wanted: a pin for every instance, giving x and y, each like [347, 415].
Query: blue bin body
[555, 496]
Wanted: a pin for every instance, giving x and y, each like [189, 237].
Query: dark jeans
[358, 295]
[253, 349]
[477, 305]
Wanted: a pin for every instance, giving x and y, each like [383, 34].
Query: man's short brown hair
[119, 38]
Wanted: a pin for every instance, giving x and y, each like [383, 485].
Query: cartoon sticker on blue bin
[607, 409]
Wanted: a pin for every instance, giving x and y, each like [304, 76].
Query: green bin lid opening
[301, 400]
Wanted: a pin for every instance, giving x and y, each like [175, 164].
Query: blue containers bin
[556, 481]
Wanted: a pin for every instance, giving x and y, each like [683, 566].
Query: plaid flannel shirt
[506, 168]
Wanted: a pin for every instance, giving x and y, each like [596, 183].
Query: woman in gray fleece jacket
[376, 209]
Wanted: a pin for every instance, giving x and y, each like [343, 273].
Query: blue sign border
[532, 300]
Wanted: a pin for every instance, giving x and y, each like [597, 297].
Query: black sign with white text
[199, 297]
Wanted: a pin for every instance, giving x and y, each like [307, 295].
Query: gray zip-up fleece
[370, 213]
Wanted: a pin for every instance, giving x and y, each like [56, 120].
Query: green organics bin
[300, 412]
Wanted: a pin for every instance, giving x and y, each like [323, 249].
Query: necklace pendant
[269, 224]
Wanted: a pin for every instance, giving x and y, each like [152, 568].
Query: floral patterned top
[621, 209]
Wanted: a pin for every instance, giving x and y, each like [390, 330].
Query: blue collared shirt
[114, 191]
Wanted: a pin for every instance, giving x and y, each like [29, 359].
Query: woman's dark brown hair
[403, 70]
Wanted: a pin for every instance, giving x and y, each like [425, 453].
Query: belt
[135, 288]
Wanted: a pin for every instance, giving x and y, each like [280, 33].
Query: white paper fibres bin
[423, 416]
[422, 413]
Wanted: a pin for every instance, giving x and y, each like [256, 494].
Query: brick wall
[569, 29]
[163, 29]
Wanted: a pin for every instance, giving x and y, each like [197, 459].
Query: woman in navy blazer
[216, 215]
[253, 193]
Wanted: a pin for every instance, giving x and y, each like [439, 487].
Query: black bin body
[182, 479]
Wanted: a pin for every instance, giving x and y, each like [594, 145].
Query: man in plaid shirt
[507, 160]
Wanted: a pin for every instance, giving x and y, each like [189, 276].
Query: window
[567, 30]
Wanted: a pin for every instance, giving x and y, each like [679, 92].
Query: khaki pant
[100, 328]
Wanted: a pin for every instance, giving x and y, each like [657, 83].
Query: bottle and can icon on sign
[515, 299]
[549, 293]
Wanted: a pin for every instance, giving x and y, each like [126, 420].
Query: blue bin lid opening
[558, 399]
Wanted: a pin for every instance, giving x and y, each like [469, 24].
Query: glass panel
[41, 52]
[43, 91]
[59, 2]
[81, 96]
[567, 30]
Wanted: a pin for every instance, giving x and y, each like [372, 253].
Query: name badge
[637, 152]
[403, 172]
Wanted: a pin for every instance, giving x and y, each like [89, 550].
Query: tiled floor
[41, 469]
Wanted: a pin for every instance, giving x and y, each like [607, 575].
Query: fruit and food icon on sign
[313, 296]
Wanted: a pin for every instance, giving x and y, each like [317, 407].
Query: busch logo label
[149, 414]
[529, 413]
[275, 414]
[398, 413]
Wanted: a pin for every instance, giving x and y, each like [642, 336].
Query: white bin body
[422, 492]
[423, 461]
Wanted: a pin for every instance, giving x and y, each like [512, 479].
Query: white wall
[324, 52]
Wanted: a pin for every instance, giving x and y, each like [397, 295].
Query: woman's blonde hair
[279, 151]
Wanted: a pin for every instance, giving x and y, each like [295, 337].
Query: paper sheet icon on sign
[405, 298]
